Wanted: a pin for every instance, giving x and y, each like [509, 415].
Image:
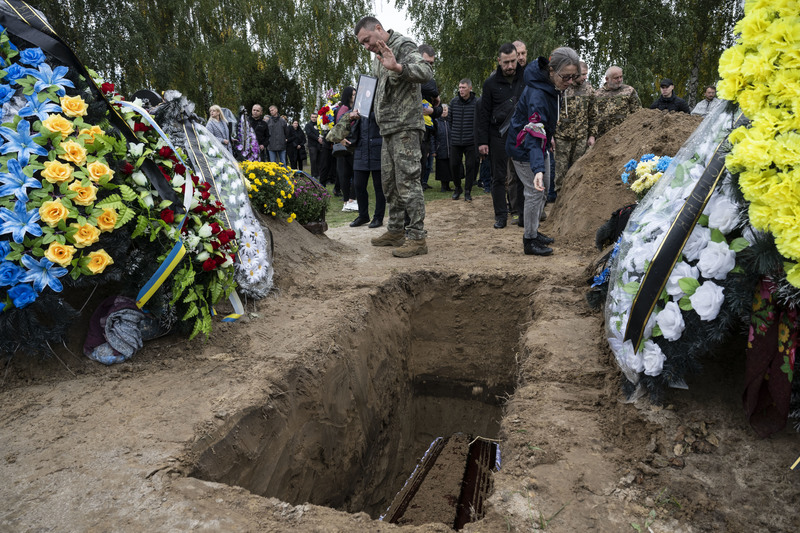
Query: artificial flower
[98, 170]
[21, 142]
[32, 56]
[51, 212]
[13, 73]
[707, 300]
[716, 260]
[73, 152]
[73, 106]
[47, 77]
[58, 253]
[58, 124]
[57, 172]
[38, 109]
[86, 195]
[108, 220]
[43, 273]
[19, 222]
[681, 270]
[652, 358]
[6, 93]
[92, 132]
[723, 213]
[86, 235]
[10, 273]
[15, 182]
[670, 321]
[22, 295]
[698, 240]
[98, 261]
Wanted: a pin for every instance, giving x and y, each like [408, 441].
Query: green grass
[336, 217]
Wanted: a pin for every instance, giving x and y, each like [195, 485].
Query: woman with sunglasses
[531, 135]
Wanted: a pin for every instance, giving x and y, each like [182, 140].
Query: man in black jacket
[501, 91]
[261, 130]
[668, 101]
[461, 117]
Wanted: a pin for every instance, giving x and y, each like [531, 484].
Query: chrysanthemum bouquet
[327, 113]
[271, 188]
[310, 201]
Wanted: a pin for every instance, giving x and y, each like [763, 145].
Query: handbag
[340, 150]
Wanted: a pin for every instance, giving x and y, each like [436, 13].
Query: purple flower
[22, 295]
[32, 56]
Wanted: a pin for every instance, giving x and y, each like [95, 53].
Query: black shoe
[359, 222]
[521, 222]
[337, 193]
[551, 198]
[376, 223]
[425, 186]
[446, 189]
[457, 194]
[467, 196]
[500, 223]
[544, 239]
[534, 247]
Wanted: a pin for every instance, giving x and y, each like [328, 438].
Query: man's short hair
[369, 22]
[467, 81]
[426, 49]
[707, 87]
[612, 67]
[506, 48]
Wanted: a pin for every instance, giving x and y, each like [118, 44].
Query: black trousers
[470, 155]
[344, 168]
[313, 156]
[360, 182]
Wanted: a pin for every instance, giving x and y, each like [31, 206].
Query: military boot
[411, 248]
[390, 238]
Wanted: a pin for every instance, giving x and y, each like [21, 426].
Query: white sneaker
[351, 205]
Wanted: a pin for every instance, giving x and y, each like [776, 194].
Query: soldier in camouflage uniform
[577, 127]
[398, 105]
[614, 101]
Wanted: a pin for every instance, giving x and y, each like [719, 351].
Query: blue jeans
[277, 156]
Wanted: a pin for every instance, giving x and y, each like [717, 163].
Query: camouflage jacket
[398, 99]
[614, 105]
[576, 119]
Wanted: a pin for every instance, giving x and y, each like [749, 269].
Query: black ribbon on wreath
[655, 279]
[22, 20]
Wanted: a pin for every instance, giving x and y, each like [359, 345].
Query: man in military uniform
[614, 101]
[577, 126]
[397, 105]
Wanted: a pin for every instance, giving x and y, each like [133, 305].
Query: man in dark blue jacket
[462, 114]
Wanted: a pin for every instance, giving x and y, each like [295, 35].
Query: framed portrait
[365, 93]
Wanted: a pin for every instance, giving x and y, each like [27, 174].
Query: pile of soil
[300, 416]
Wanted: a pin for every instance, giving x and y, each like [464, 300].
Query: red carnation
[215, 228]
[223, 238]
[165, 151]
[107, 88]
[205, 195]
[168, 216]
[230, 233]
[195, 179]
[215, 245]
[138, 126]
[127, 168]
[180, 169]
[209, 264]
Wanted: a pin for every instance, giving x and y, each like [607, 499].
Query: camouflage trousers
[400, 176]
[567, 152]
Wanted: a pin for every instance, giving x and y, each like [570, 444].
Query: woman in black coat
[296, 146]
[366, 160]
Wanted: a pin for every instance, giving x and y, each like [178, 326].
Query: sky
[392, 19]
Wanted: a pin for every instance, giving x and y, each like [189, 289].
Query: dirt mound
[593, 184]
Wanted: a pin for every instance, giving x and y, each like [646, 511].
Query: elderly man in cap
[668, 101]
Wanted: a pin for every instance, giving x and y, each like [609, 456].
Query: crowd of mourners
[532, 121]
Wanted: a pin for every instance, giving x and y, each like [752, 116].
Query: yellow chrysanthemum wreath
[762, 74]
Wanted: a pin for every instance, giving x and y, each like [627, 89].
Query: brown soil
[331, 389]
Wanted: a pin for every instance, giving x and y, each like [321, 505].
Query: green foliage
[681, 40]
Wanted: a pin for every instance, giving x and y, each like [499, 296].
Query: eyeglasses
[568, 77]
